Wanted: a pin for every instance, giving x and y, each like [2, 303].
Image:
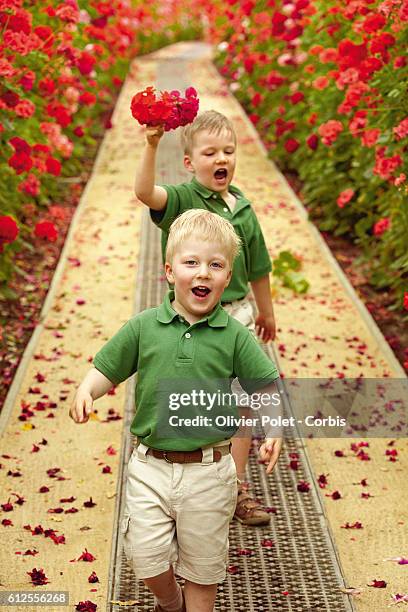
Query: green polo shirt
[253, 261]
[171, 356]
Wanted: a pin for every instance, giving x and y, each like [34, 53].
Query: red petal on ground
[86, 606]
[233, 569]
[378, 584]
[111, 451]
[38, 577]
[43, 489]
[356, 525]
[89, 503]
[67, 500]
[7, 523]
[245, 552]
[31, 552]
[106, 470]
[322, 480]
[93, 578]
[303, 486]
[86, 556]
[335, 495]
[267, 543]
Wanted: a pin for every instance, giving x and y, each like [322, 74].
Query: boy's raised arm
[152, 195]
[94, 385]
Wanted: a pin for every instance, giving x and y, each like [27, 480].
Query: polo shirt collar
[166, 313]
[207, 193]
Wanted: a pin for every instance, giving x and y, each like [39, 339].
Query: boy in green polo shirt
[210, 154]
[181, 485]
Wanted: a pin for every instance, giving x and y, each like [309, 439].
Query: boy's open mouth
[220, 174]
[201, 291]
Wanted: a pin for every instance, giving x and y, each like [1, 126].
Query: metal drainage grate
[300, 572]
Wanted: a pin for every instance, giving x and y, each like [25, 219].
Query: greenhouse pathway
[110, 268]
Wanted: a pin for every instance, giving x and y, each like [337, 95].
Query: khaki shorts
[179, 514]
[242, 311]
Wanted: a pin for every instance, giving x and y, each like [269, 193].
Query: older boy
[210, 155]
[181, 486]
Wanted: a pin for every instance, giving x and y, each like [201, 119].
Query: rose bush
[325, 85]
[61, 65]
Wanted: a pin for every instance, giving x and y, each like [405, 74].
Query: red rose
[46, 86]
[47, 230]
[297, 97]
[8, 230]
[291, 145]
[53, 166]
[373, 23]
[20, 162]
[312, 141]
[20, 145]
[87, 98]
[85, 63]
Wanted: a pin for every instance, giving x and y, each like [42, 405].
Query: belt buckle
[165, 457]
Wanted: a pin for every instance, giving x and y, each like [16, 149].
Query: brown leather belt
[237, 300]
[195, 456]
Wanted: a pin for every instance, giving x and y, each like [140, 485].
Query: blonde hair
[206, 226]
[212, 121]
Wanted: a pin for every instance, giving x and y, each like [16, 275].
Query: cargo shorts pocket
[124, 524]
[226, 470]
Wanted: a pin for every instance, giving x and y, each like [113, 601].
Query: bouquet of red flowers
[170, 109]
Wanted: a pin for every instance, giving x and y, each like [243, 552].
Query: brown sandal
[250, 511]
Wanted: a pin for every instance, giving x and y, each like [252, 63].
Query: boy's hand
[153, 135]
[81, 407]
[265, 327]
[269, 452]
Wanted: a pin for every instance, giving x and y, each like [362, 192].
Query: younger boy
[210, 155]
[181, 485]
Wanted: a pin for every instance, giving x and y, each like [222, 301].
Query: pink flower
[344, 197]
[401, 130]
[330, 130]
[320, 83]
[400, 179]
[370, 137]
[24, 109]
[381, 226]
